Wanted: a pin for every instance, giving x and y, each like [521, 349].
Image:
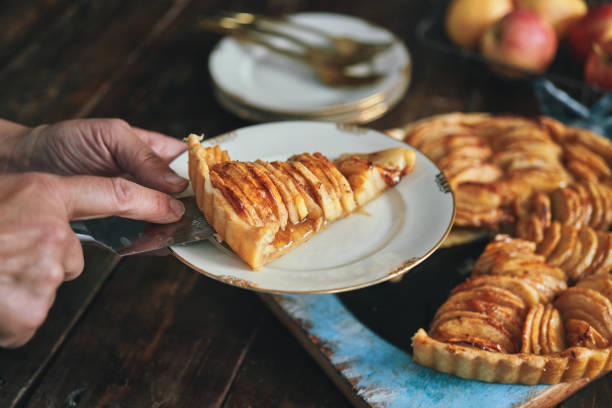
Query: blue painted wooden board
[375, 373]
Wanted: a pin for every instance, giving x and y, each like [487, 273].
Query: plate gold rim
[377, 98]
[361, 116]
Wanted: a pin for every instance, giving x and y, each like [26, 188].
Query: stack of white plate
[260, 85]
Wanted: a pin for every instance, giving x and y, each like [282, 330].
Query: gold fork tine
[344, 46]
[227, 26]
[230, 23]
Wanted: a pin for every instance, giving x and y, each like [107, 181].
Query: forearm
[11, 135]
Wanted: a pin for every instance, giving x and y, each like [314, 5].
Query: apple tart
[494, 163]
[516, 321]
[263, 209]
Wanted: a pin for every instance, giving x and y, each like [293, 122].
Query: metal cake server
[127, 237]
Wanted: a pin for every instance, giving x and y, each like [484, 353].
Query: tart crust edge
[571, 364]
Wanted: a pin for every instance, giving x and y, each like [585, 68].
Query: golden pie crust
[538, 307]
[263, 209]
[571, 364]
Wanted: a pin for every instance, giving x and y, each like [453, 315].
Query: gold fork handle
[258, 19]
[257, 35]
[272, 26]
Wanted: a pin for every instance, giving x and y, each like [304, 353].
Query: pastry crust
[523, 368]
[262, 210]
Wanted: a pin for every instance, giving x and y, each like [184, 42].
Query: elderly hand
[38, 250]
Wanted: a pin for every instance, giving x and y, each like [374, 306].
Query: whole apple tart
[538, 306]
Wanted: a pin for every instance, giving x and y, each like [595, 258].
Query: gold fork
[341, 50]
[334, 64]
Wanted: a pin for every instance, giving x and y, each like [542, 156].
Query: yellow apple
[467, 20]
[561, 14]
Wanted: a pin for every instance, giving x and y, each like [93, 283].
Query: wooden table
[148, 331]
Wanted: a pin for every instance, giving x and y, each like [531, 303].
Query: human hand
[103, 147]
[38, 250]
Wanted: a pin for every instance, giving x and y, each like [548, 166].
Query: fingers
[94, 197]
[166, 147]
[136, 158]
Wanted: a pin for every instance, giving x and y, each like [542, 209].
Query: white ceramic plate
[255, 76]
[393, 233]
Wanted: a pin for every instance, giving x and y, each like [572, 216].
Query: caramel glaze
[294, 234]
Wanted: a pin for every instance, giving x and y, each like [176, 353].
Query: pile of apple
[526, 33]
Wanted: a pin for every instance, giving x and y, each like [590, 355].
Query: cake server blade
[127, 237]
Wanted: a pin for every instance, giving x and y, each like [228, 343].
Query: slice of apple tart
[263, 209]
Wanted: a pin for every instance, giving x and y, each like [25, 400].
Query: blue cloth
[558, 104]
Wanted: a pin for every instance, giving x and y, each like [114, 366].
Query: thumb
[94, 197]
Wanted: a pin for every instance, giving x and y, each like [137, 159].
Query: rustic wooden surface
[147, 331]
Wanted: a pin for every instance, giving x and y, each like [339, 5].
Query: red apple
[589, 29]
[598, 67]
[522, 39]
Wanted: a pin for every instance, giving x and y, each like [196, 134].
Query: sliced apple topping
[551, 238]
[589, 305]
[603, 286]
[478, 326]
[543, 331]
[581, 334]
[524, 290]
